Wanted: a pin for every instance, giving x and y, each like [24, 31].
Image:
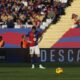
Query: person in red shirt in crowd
[34, 36]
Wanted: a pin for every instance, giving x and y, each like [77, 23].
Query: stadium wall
[54, 55]
[12, 37]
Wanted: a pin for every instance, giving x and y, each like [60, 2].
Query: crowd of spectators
[26, 13]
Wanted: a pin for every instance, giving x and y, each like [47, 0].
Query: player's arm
[40, 36]
[3, 44]
[29, 41]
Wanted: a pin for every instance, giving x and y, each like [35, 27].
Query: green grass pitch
[25, 73]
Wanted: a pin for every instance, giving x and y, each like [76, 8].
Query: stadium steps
[55, 32]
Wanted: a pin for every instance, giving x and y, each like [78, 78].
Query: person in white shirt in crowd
[25, 2]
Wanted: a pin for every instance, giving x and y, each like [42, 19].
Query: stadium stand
[55, 32]
[26, 13]
[23, 14]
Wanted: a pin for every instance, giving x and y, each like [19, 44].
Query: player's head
[1, 38]
[23, 37]
[33, 29]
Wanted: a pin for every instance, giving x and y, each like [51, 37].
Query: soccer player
[34, 36]
[2, 43]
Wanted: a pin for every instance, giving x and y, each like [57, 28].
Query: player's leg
[37, 53]
[32, 56]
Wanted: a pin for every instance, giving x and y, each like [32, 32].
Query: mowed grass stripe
[23, 73]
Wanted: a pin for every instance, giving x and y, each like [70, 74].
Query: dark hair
[74, 15]
[23, 36]
[1, 37]
[34, 28]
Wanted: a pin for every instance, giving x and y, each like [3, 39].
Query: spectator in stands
[19, 24]
[25, 2]
[76, 19]
[4, 17]
[12, 10]
[10, 23]
[50, 13]
[64, 2]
